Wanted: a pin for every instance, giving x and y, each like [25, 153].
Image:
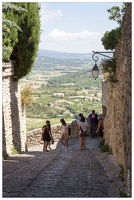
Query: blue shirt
[93, 118]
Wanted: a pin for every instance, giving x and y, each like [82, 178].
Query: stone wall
[116, 100]
[13, 112]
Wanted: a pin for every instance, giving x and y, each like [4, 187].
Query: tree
[110, 38]
[25, 51]
[25, 42]
[9, 28]
[117, 13]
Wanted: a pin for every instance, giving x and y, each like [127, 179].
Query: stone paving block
[58, 173]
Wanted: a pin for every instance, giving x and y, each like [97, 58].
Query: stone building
[117, 100]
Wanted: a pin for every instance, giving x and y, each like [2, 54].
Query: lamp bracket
[96, 58]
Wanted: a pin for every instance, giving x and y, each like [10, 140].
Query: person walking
[64, 134]
[78, 121]
[100, 127]
[93, 123]
[82, 131]
[46, 135]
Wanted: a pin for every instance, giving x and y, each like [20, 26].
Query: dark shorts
[83, 134]
[46, 137]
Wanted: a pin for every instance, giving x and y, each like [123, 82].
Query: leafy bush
[101, 143]
[108, 69]
[5, 155]
[110, 38]
[123, 194]
[121, 174]
[26, 95]
[105, 148]
[110, 150]
[15, 151]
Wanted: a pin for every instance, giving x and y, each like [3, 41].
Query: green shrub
[108, 69]
[26, 95]
[101, 143]
[110, 150]
[5, 155]
[123, 194]
[15, 151]
[105, 148]
[121, 174]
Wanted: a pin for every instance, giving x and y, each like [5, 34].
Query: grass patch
[121, 174]
[110, 150]
[105, 147]
[15, 151]
[5, 155]
[123, 194]
[34, 123]
[45, 99]
[101, 143]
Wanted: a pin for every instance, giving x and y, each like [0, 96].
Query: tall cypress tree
[25, 50]
[9, 28]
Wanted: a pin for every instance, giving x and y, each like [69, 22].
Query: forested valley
[62, 88]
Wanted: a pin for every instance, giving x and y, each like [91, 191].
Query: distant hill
[64, 55]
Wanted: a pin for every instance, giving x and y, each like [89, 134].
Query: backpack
[69, 131]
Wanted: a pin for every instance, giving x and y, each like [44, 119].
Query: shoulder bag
[83, 133]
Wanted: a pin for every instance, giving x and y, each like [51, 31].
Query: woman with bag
[82, 130]
[46, 135]
[64, 134]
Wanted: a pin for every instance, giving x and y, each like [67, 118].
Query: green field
[61, 93]
[34, 123]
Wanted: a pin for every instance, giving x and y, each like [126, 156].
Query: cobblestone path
[60, 173]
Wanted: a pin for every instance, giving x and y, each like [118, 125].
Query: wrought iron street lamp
[95, 70]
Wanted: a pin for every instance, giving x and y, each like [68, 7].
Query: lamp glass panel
[95, 73]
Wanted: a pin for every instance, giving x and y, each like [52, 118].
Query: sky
[75, 27]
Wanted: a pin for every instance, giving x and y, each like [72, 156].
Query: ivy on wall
[108, 69]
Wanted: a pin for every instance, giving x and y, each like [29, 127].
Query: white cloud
[73, 42]
[62, 36]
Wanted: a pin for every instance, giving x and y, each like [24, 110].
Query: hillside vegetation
[61, 89]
